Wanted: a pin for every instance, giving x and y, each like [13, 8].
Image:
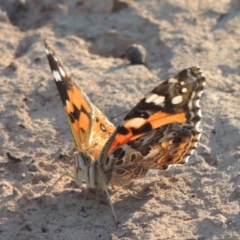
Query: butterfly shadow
[118, 67]
[130, 202]
[88, 205]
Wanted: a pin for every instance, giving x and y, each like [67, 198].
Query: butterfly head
[84, 169]
[89, 171]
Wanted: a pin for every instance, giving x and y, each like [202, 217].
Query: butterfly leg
[127, 190]
[110, 201]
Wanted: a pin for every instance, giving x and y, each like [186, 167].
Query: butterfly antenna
[110, 201]
[51, 188]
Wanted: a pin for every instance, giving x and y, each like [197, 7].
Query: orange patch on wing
[75, 126]
[156, 120]
[183, 149]
[159, 119]
[84, 121]
[75, 97]
[69, 110]
[119, 140]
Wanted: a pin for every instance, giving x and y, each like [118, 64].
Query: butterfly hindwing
[157, 149]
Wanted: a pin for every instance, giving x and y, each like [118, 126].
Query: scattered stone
[27, 228]
[97, 6]
[44, 229]
[119, 5]
[15, 159]
[136, 54]
[32, 167]
[16, 192]
[4, 17]
[13, 66]
[218, 220]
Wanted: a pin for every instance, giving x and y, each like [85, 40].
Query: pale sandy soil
[197, 201]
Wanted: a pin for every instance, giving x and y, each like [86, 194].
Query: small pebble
[32, 167]
[119, 5]
[13, 66]
[16, 192]
[219, 220]
[136, 54]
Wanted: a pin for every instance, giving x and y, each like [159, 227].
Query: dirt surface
[199, 200]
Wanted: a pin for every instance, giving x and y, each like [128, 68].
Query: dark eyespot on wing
[177, 140]
[122, 154]
[119, 162]
[145, 151]
[133, 157]
[102, 127]
[169, 159]
[117, 152]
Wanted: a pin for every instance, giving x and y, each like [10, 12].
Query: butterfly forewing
[89, 127]
[161, 130]
[174, 100]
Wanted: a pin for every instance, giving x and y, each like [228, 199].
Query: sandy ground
[197, 201]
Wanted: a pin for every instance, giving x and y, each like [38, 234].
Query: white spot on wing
[199, 136]
[159, 100]
[68, 104]
[186, 159]
[197, 103]
[56, 76]
[154, 98]
[195, 145]
[46, 51]
[135, 122]
[199, 113]
[200, 93]
[172, 80]
[190, 104]
[177, 99]
[197, 126]
[62, 72]
[184, 90]
[192, 151]
[151, 98]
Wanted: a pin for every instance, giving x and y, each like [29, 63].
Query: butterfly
[161, 130]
